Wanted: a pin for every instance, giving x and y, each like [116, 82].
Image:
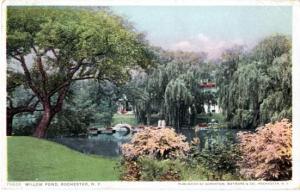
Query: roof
[207, 85]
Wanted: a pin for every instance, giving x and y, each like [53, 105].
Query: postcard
[150, 95]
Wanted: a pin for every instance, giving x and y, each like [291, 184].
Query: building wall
[212, 108]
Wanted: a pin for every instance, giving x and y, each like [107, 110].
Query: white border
[296, 94]
[294, 184]
[152, 2]
[3, 62]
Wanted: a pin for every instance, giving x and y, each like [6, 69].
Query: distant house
[207, 85]
[211, 106]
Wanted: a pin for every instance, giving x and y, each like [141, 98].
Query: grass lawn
[41, 160]
[124, 118]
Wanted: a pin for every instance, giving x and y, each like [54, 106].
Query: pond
[102, 144]
[109, 144]
[207, 136]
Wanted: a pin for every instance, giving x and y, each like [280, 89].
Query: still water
[102, 144]
[109, 144]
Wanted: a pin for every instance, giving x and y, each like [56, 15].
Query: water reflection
[109, 144]
[101, 144]
[208, 136]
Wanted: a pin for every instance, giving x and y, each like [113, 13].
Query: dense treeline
[256, 87]
[171, 90]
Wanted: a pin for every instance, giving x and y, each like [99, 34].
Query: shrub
[154, 154]
[159, 170]
[267, 154]
[219, 158]
[130, 170]
[159, 143]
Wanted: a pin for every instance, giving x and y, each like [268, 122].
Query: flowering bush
[159, 143]
[267, 154]
[154, 154]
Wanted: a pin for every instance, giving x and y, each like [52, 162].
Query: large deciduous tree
[53, 47]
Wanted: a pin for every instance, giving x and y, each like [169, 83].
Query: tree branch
[64, 84]
[69, 79]
[43, 74]
[29, 101]
[60, 99]
[28, 77]
[10, 102]
[20, 109]
[54, 53]
[82, 78]
[73, 70]
[15, 57]
[34, 49]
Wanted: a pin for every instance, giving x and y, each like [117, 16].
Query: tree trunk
[49, 112]
[177, 118]
[148, 118]
[42, 126]
[9, 122]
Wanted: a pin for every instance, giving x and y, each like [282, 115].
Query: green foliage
[194, 172]
[218, 158]
[66, 45]
[146, 168]
[75, 34]
[124, 118]
[267, 153]
[255, 87]
[177, 101]
[24, 123]
[13, 79]
[89, 104]
[155, 170]
[171, 88]
[69, 122]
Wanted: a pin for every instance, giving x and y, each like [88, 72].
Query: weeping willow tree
[278, 104]
[255, 87]
[171, 89]
[178, 100]
[145, 92]
[225, 75]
